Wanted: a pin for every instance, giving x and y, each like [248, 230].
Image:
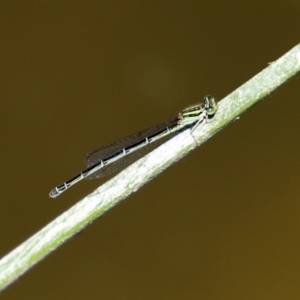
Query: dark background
[224, 222]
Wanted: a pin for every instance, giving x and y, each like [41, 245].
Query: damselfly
[118, 154]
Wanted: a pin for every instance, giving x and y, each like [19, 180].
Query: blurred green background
[224, 222]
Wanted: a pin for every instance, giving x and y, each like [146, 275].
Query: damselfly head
[210, 105]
